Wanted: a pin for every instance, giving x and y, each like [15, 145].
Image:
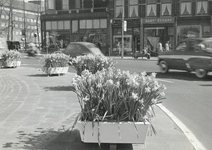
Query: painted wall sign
[158, 20]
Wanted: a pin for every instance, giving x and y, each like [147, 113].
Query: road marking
[165, 81]
[190, 136]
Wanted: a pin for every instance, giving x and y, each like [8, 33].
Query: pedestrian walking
[167, 45]
[160, 47]
[118, 48]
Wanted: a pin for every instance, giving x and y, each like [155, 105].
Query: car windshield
[91, 46]
[95, 50]
[206, 46]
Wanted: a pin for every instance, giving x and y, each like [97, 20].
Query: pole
[24, 28]
[122, 32]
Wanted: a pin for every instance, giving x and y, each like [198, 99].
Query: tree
[2, 9]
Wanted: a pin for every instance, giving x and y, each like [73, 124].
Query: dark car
[193, 54]
[74, 49]
[14, 45]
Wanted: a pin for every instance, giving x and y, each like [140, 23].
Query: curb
[189, 135]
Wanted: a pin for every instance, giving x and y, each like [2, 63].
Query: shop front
[157, 30]
[196, 27]
[59, 30]
[131, 37]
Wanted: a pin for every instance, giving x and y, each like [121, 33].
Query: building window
[67, 25]
[103, 23]
[60, 25]
[65, 4]
[54, 25]
[118, 8]
[74, 26]
[3, 24]
[166, 9]
[51, 4]
[185, 8]
[77, 4]
[87, 3]
[206, 30]
[96, 23]
[57, 25]
[151, 10]
[2, 17]
[82, 24]
[89, 24]
[202, 7]
[133, 8]
[58, 4]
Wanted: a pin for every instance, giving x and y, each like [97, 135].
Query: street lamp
[122, 32]
[24, 26]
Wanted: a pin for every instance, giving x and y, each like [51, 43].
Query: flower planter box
[55, 70]
[11, 64]
[113, 132]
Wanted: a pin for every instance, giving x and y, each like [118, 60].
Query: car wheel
[200, 73]
[163, 67]
[135, 56]
[148, 56]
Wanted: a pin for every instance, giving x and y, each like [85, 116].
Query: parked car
[14, 45]
[192, 54]
[74, 49]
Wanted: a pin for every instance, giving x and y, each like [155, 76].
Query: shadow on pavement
[45, 75]
[53, 140]
[182, 76]
[60, 88]
[72, 140]
[32, 141]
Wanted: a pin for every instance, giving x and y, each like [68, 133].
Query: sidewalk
[36, 113]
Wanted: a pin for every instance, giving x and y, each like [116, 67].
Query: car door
[71, 50]
[201, 59]
[178, 57]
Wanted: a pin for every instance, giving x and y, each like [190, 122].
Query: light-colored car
[192, 54]
[74, 49]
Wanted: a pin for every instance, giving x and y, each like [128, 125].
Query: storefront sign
[158, 20]
[130, 23]
[74, 16]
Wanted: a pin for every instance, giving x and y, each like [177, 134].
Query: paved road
[188, 97]
[36, 111]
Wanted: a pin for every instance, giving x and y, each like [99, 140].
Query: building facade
[20, 21]
[148, 22]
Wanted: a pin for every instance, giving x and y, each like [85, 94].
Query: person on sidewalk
[160, 47]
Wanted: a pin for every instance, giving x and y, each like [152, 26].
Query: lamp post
[122, 32]
[24, 27]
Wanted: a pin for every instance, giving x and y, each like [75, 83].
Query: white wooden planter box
[12, 63]
[112, 132]
[55, 70]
